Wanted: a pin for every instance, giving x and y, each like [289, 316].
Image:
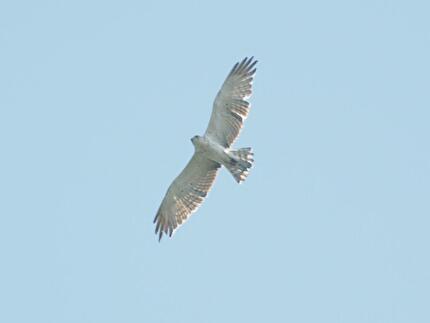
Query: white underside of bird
[212, 150]
[237, 162]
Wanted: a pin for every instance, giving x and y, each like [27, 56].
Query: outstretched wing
[185, 194]
[230, 106]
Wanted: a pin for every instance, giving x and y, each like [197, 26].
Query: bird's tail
[240, 162]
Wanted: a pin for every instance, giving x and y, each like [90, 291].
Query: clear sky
[98, 102]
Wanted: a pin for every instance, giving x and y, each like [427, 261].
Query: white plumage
[212, 150]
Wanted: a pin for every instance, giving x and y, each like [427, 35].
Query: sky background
[98, 102]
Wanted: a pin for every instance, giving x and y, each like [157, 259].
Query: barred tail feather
[240, 162]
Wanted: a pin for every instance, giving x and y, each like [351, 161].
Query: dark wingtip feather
[252, 72]
[242, 65]
[252, 65]
[245, 65]
[234, 68]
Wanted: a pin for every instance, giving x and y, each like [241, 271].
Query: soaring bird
[213, 149]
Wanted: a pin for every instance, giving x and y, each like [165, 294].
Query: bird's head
[195, 139]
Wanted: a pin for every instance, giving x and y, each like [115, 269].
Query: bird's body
[212, 150]
[230, 159]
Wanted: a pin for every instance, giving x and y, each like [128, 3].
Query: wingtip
[161, 233]
[245, 65]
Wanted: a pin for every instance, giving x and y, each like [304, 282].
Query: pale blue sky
[98, 101]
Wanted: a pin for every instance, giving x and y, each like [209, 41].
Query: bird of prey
[212, 150]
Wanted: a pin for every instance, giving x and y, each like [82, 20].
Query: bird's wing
[230, 106]
[185, 194]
